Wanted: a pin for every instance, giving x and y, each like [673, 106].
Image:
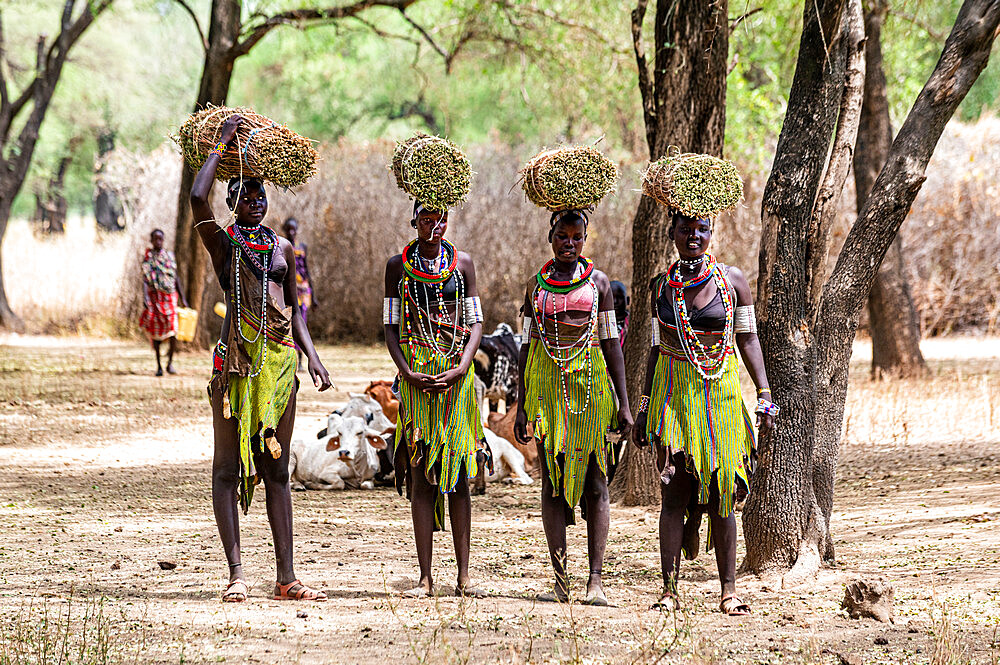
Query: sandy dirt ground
[105, 471]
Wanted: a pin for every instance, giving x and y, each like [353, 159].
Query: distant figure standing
[303, 282]
[160, 289]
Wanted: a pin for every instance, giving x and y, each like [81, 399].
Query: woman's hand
[320, 377]
[521, 426]
[765, 424]
[625, 423]
[229, 128]
[423, 382]
[639, 430]
[447, 379]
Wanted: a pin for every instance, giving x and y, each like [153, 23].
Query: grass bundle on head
[693, 184]
[264, 149]
[568, 178]
[432, 170]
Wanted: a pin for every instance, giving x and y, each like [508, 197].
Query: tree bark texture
[783, 511]
[787, 517]
[892, 316]
[16, 152]
[684, 105]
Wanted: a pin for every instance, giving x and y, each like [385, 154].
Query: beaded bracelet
[761, 391]
[219, 149]
[767, 408]
[644, 404]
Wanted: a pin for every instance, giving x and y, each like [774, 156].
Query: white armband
[656, 332]
[392, 309]
[473, 310]
[607, 325]
[527, 326]
[745, 321]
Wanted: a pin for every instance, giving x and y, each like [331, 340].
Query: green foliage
[513, 71]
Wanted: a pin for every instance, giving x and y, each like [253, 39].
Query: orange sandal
[296, 590]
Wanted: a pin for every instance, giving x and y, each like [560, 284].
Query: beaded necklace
[432, 275]
[564, 355]
[579, 278]
[710, 362]
[255, 242]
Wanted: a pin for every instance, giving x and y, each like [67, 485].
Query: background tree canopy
[558, 70]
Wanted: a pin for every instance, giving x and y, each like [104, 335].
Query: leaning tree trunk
[192, 259]
[892, 316]
[807, 339]
[684, 105]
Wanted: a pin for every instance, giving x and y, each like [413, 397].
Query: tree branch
[430, 40]
[197, 24]
[258, 32]
[841, 157]
[645, 85]
[4, 95]
[936, 35]
[382, 33]
[734, 23]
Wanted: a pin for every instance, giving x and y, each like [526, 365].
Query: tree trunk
[783, 514]
[216, 75]
[787, 516]
[684, 105]
[892, 316]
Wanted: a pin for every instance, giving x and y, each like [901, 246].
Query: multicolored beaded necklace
[580, 277]
[432, 275]
[564, 355]
[710, 362]
[258, 243]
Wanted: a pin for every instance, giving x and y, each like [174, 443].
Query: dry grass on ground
[104, 471]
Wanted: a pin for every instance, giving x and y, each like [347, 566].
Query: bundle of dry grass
[264, 149]
[432, 170]
[568, 178]
[693, 184]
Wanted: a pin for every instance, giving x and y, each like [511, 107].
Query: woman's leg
[598, 516]
[724, 538]
[460, 508]
[278, 494]
[156, 350]
[674, 497]
[171, 348]
[554, 523]
[225, 484]
[423, 496]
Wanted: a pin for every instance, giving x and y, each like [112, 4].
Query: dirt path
[104, 472]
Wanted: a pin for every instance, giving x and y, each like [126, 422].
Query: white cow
[508, 462]
[346, 452]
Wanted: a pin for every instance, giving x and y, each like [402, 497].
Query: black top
[421, 291]
[711, 317]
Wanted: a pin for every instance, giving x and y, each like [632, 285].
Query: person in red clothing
[161, 289]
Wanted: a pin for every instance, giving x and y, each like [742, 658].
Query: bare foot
[424, 589]
[595, 593]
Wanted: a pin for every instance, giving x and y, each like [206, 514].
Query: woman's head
[248, 200]
[568, 233]
[156, 239]
[430, 224]
[691, 235]
[291, 229]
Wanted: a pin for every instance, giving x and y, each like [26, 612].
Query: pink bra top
[577, 300]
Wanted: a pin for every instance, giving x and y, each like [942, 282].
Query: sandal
[296, 590]
[236, 592]
[667, 602]
[732, 605]
[470, 591]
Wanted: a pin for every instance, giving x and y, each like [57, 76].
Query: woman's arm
[749, 346]
[452, 376]
[640, 437]
[613, 357]
[521, 419]
[211, 235]
[424, 382]
[318, 373]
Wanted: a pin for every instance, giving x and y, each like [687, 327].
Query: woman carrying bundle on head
[692, 408]
[572, 383]
[433, 324]
[253, 383]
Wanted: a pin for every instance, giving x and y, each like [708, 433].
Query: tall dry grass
[353, 218]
